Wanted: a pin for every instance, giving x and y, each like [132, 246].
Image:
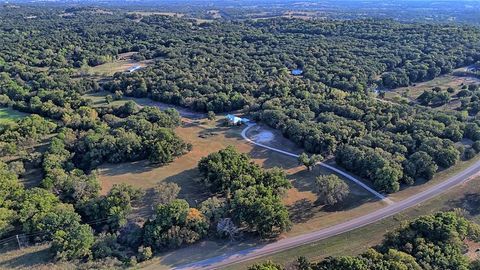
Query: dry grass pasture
[411, 93]
[123, 63]
[153, 13]
[211, 136]
[208, 137]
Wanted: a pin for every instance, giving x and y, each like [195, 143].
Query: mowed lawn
[9, 115]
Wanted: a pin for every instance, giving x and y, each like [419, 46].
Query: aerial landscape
[258, 135]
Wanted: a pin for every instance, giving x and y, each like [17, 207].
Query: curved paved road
[292, 242]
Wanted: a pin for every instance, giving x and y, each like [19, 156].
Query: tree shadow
[272, 159]
[210, 132]
[32, 178]
[304, 180]
[352, 201]
[145, 207]
[191, 190]
[133, 167]
[27, 260]
[191, 186]
[470, 202]
[301, 211]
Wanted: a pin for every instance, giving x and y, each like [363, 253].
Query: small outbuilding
[235, 120]
[134, 68]
[297, 72]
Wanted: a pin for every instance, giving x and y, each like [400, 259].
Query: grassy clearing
[122, 64]
[98, 99]
[8, 115]
[151, 13]
[355, 242]
[34, 257]
[411, 93]
[207, 137]
[306, 213]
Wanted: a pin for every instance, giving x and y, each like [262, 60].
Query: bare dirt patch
[473, 249]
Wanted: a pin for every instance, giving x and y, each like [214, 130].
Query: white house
[235, 120]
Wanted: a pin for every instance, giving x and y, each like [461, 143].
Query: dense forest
[247, 65]
[429, 242]
[213, 67]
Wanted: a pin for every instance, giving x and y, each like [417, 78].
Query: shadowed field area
[8, 115]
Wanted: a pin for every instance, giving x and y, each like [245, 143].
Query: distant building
[134, 68]
[235, 120]
[297, 72]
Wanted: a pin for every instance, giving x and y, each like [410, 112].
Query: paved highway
[292, 242]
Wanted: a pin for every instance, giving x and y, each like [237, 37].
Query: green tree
[269, 265]
[211, 116]
[62, 217]
[108, 99]
[261, 209]
[113, 208]
[174, 225]
[420, 164]
[11, 190]
[331, 189]
[309, 162]
[36, 203]
[73, 243]
[214, 209]
[387, 179]
[166, 192]
[7, 220]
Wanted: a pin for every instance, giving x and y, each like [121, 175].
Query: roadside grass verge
[466, 196]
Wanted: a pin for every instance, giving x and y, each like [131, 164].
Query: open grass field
[411, 93]
[9, 115]
[152, 13]
[122, 64]
[98, 99]
[207, 137]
